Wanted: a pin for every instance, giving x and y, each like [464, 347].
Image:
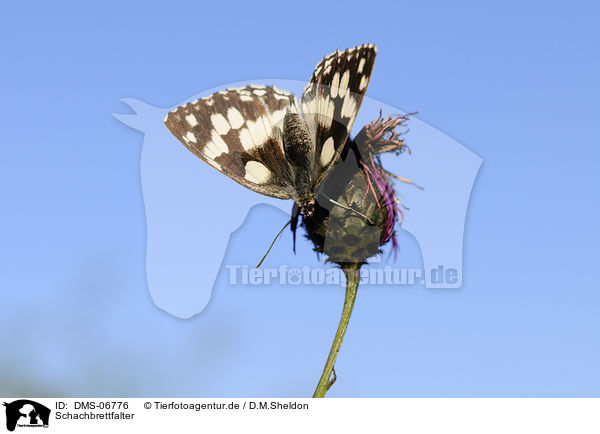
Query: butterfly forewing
[331, 101]
[238, 132]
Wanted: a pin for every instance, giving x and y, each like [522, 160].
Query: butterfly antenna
[271, 246]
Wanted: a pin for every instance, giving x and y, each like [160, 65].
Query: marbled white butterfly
[258, 136]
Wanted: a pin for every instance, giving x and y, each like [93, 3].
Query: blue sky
[515, 82]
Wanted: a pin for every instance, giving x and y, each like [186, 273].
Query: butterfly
[263, 139]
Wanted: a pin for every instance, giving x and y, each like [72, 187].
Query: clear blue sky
[515, 82]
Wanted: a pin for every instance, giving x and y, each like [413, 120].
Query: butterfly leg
[294, 223]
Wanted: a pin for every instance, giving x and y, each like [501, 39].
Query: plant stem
[352, 272]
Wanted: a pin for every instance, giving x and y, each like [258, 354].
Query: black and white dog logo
[26, 413]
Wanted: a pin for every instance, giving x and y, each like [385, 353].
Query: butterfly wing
[239, 132]
[331, 101]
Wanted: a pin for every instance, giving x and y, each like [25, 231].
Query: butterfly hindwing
[238, 132]
[331, 101]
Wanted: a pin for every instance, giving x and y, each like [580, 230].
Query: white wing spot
[191, 119]
[215, 147]
[277, 117]
[210, 151]
[259, 92]
[281, 91]
[219, 143]
[344, 84]
[335, 84]
[258, 86]
[327, 151]
[220, 123]
[257, 131]
[330, 112]
[349, 106]
[245, 98]
[325, 111]
[267, 126]
[361, 65]
[190, 137]
[257, 172]
[363, 82]
[310, 106]
[246, 139]
[235, 118]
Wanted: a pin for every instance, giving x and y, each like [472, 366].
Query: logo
[26, 413]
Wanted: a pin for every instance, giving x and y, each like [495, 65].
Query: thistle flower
[355, 215]
[356, 210]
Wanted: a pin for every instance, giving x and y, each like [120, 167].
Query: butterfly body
[298, 148]
[263, 139]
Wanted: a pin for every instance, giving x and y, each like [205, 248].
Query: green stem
[352, 272]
